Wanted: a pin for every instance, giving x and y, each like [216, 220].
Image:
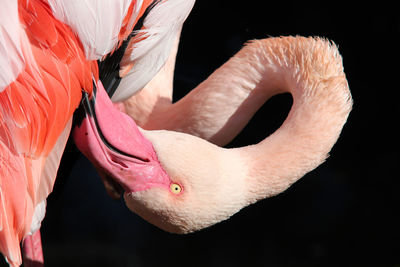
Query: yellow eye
[175, 188]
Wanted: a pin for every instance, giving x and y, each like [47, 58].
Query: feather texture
[11, 61]
[97, 23]
[48, 50]
[35, 109]
[148, 51]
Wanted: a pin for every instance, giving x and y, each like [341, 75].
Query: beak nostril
[119, 162]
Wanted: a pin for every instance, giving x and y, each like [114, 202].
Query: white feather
[38, 216]
[96, 22]
[161, 26]
[11, 58]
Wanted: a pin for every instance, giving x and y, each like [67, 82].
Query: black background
[344, 213]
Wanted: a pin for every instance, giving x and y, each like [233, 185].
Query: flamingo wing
[155, 34]
[37, 100]
[97, 23]
[11, 62]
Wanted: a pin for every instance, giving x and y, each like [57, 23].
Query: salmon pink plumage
[50, 52]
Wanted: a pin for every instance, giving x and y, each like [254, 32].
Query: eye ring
[175, 188]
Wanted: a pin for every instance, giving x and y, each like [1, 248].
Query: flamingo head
[203, 189]
[175, 181]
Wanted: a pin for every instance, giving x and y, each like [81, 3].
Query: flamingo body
[49, 51]
[35, 109]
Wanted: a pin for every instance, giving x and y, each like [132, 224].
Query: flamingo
[178, 178]
[50, 53]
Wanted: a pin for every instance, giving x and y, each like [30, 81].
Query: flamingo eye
[175, 188]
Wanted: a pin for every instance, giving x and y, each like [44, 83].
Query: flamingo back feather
[48, 53]
[35, 108]
[150, 48]
[97, 23]
[11, 62]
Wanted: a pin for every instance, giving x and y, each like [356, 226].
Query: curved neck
[218, 109]
[311, 70]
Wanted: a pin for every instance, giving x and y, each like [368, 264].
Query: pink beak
[112, 141]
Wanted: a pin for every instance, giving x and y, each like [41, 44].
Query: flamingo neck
[311, 70]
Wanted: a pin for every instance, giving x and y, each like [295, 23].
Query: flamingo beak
[111, 140]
